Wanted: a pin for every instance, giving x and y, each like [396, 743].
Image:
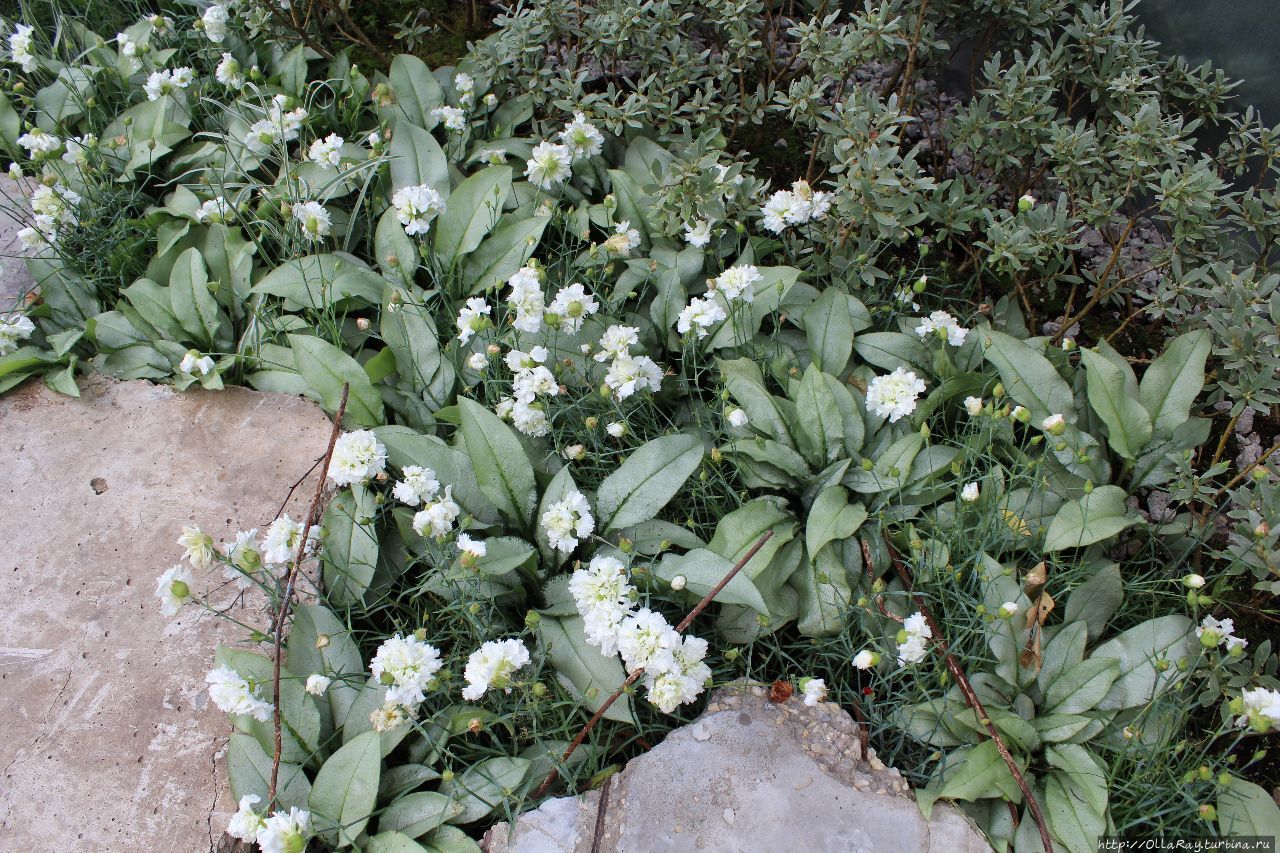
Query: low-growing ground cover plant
[580, 373]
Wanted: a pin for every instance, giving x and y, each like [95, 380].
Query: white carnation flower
[894, 396]
[194, 363]
[173, 588]
[679, 683]
[572, 306]
[437, 517]
[568, 521]
[357, 456]
[941, 321]
[472, 318]
[737, 418]
[738, 282]
[581, 138]
[698, 234]
[39, 144]
[317, 684]
[406, 665]
[229, 73]
[973, 405]
[550, 165]
[526, 299]
[285, 832]
[418, 486]
[14, 328]
[646, 639]
[20, 47]
[617, 341]
[233, 695]
[451, 117]
[326, 152]
[214, 210]
[314, 219]
[492, 665]
[815, 691]
[1261, 709]
[215, 23]
[631, 373]
[281, 541]
[699, 315]
[245, 824]
[198, 547]
[969, 493]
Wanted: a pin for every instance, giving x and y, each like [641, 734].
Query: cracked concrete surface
[108, 741]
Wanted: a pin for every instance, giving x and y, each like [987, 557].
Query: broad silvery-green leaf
[486, 786]
[589, 675]
[325, 368]
[416, 814]
[823, 593]
[318, 281]
[340, 655]
[829, 329]
[416, 89]
[1137, 650]
[1081, 687]
[397, 256]
[832, 518]
[1098, 515]
[1247, 809]
[1174, 380]
[1029, 377]
[346, 790]
[502, 253]
[649, 478]
[766, 413]
[473, 210]
[980, 773]
[1096, 600]
[702, 570]
[416, 158]
[249, 772]
[819, 420]
[192, 302]
[1071, 816]
[1128, 424]
[350, 552]
[502, 469]
[891, 350]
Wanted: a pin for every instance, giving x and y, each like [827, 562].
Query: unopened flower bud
[679, 582]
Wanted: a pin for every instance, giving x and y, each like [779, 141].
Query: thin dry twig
[282, 613]
[639, 671]
[962, 681]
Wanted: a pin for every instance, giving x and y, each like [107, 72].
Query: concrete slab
[108, 743]
[749, 775]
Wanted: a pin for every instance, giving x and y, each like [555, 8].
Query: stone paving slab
[749, 776]
[108, 743]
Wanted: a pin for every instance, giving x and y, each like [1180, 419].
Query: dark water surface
[1240, 36]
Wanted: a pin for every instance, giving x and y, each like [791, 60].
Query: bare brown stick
[962, 681]
[639, 671]
[910, 67]
[282, 613]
